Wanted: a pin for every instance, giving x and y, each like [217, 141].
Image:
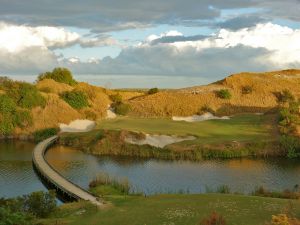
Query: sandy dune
[197, 118]
[158, 140]
[78, 126]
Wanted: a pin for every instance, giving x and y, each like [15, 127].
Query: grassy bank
[241, 136]
[175, 209]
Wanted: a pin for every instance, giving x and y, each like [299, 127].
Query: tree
[62, 75]
[152, 91]
[40, 203]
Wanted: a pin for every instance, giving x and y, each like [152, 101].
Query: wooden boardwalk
[54, 178]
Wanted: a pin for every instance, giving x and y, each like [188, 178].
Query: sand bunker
[197, 118]
[158, 140]
[110, 113]
[78, 126]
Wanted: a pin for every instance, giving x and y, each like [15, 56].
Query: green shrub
[62, 75]
[287, 194]
[291, 145]
[43, 134]
[40, 203]
[6, 124]
[29, 96]
[116, 98]
[122, 109]
[10, 217]
[22, 118]
[7, 104]
[224, 94]
[247, 89]
[76, 99]
[285, 96]
[152, 91]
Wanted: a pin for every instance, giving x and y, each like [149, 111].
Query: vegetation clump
[43, 134]
[104, 184]
[224, 94]
[152, 91]
[23, 210]
[11, 116]
[287, 194]
[62, 75]
[247, 89]
[285, 96]
[289, 119]
[76, 99]
[119, 106]
[122, 109]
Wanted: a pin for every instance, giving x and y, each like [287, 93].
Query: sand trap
[110, 114]
[158, 140]
[78, 126]
[197, 118]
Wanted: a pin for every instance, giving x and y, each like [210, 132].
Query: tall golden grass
[189, 101]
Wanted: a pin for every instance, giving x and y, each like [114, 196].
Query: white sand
[197, 118]
[158, 140]
[110, 113]
[78, 126]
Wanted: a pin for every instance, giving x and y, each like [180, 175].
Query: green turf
[178, 210]
[238, 128]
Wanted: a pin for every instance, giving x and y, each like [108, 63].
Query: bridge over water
[55, 179]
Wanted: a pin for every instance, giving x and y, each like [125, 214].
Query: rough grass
[188, 101]
[176, 209]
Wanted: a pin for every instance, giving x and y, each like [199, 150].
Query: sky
[142, 43]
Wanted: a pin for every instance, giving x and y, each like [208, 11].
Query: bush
[61, 75]
[40, 204]
[22, 118]
[10, 217]
[122, 109]
[285, 96]
[76, 99]
[291, 145]
[152, 91]
[224, 94]
[29, 96]
[43, 134]
[214, 219]
[6, 124]
[287, 194]
[247, 89]
[116, 98]
[7, 104]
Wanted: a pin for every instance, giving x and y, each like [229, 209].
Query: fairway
[177, 210]
[238, 128]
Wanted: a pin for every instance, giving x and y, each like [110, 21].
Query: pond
[149, 176]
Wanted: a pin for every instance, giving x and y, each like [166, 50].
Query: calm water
[150, 176]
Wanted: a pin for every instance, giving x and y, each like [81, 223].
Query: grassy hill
[261, 96]
[249, 93]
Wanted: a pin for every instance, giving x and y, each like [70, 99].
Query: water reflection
[153, 176]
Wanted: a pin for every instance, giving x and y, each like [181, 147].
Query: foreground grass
[238, 128]
[175, 209]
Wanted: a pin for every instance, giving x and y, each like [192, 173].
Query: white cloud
[282, 41]
[16, 38]
[171, 33]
